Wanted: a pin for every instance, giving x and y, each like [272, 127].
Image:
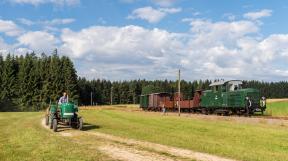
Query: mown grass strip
[229, 139]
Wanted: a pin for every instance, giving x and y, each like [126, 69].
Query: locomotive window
[216, 88]
[237, 87]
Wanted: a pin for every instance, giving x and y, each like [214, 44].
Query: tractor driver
[63, 99]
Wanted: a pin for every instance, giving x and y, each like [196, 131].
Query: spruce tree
[70, 79]
[8, 78]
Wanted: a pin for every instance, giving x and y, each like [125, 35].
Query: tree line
[31, 83]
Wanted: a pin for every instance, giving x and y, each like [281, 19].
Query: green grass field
[22, 137]
[277, 108]
[235, 140]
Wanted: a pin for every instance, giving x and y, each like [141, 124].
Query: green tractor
[65, 114]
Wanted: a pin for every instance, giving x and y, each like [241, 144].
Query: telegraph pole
[111, 96]
[91, 98]
[179, 99]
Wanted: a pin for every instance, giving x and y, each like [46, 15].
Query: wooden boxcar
[157, 100]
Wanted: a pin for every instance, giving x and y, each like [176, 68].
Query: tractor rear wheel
[80, 123]
[54, 125]
[46, 120]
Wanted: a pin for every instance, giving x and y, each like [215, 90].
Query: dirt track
[119, 148]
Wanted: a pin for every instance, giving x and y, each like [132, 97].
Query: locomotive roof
[223, 82]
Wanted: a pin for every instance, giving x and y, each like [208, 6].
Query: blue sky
[151, 39]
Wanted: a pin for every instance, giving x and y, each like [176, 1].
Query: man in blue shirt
[63, 99]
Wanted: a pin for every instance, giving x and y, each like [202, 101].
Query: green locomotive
[229, 97]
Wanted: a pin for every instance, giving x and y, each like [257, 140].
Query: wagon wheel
[46, 120]
[204, 111]
[54, 125]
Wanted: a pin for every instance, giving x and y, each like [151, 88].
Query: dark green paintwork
[53, 108]
[220, 97]
[67, 110]
[144, 101]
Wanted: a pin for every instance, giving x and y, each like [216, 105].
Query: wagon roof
[159, 93]
[223, 82]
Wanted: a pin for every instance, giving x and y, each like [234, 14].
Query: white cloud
[222, 29]
[53, 22]
[164, 3]
[39, 2]
[9, 28]
[117, 41]
[4, 48]
[257, 15]
[170, 10]
[152, 15]
[58, 21]
[39, 41]
[229, 50]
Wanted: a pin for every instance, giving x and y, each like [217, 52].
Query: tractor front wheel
[51, 122]
[54, 125]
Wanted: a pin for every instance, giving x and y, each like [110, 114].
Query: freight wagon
[157, 101]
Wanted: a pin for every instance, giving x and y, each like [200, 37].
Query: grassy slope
[235, 140]
[23, 138]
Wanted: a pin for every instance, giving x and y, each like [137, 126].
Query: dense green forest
[30, 83]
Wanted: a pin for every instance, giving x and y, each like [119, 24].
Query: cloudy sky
[151, 39]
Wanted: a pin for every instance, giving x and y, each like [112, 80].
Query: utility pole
[111, 96]
[179, 99]
[91, 98]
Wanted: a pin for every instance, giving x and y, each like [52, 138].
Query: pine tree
[55, 83]
[70, 78]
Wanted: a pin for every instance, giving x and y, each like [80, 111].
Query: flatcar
[224, 97]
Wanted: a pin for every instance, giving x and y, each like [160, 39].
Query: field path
[125, 149]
